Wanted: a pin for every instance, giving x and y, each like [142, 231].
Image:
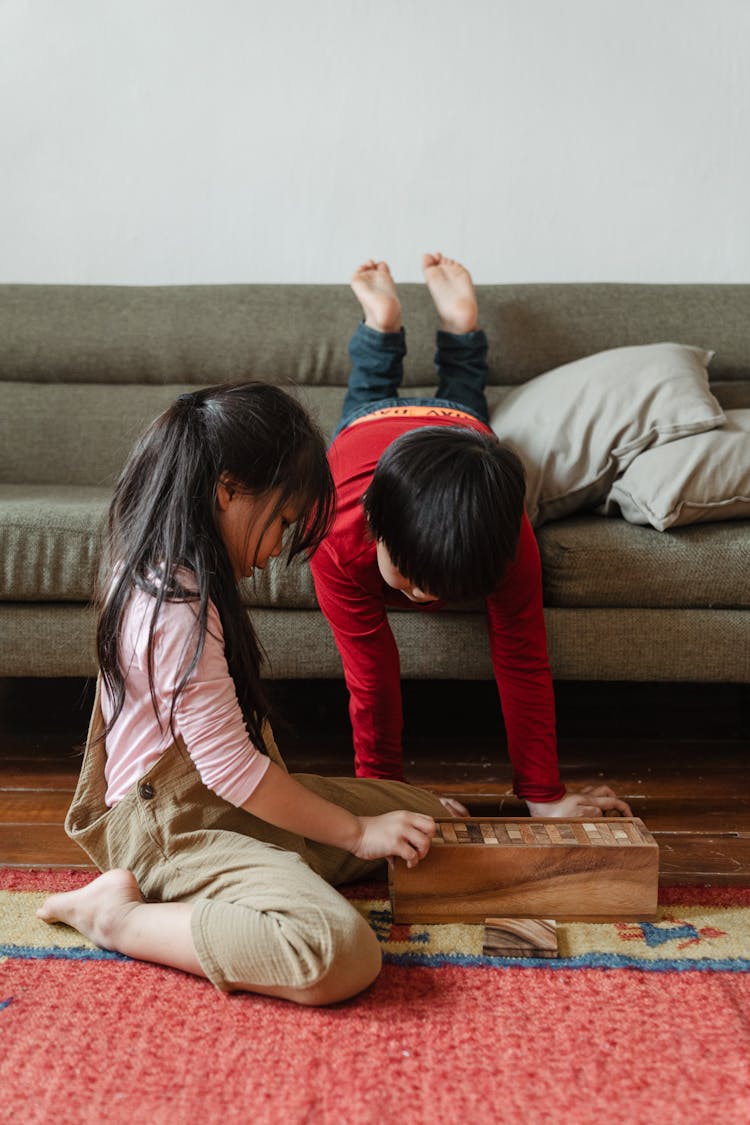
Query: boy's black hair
[447, 503]
[162, 520]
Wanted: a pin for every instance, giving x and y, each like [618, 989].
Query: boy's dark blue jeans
[377, 372]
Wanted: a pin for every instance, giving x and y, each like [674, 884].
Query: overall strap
[96, 722]
[88, 806]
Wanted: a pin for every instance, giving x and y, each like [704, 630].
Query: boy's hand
[587, 802]
[406, 834]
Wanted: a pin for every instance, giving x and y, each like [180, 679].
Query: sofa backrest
[86, 367]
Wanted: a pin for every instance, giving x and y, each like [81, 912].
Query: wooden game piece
[450, 833]
[520, 937]
[571, 870]
[488, 835]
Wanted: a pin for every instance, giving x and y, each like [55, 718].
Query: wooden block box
[530, 867]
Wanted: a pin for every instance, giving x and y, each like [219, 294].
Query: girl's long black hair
[162, 519]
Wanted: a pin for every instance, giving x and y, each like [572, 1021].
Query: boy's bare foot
[452, 291]
[376, 292]
[97, 910]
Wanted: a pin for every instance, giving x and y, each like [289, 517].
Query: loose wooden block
[529, 867]
[520, 937]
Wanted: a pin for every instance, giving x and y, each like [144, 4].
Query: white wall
[160, 141]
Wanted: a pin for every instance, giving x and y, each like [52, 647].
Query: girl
[217, 861]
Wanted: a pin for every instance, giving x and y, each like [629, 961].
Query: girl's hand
[588, 802]
[406, 834]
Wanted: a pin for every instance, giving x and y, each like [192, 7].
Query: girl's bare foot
[113, 914]
[376, 292]
[452, 291]
[97, 910]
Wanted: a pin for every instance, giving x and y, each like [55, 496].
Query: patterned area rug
[645, 1022]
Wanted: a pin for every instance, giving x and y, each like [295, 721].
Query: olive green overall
[265, 912]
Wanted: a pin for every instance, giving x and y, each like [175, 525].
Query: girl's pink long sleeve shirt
[208, 715]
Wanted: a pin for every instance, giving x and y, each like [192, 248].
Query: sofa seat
[50, 541]
[51, 536]
[280, 586]
[598, 563]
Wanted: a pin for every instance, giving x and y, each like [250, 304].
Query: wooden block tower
[569, 869]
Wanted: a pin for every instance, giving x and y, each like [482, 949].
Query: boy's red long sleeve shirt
[354, 598]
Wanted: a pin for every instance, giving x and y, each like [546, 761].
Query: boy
[430, 508]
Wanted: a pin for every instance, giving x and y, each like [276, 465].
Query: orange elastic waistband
[407, 411]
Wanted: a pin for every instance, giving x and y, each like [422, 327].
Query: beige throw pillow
[696, 479]
[579, 426]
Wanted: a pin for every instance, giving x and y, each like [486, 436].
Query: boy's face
[395, 579]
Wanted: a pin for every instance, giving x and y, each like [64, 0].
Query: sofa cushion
[280, 586]
[595, 562]
[700, 478]
[68, 433]
[578, 426]
[200, 334]
[72, 433]
[50, 541]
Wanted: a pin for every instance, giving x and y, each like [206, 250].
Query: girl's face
[395, 579]
[249, 538]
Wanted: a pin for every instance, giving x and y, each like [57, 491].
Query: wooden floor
[677, 753]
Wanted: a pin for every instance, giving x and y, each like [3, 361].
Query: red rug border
[50, 880]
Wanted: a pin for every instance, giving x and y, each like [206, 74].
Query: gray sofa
[84, 368]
